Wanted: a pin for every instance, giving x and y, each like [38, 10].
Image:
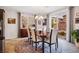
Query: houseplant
[75, 36]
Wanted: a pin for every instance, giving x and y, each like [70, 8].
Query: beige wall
[11, 30]
[59, 14]
[29, 19]
[76, 15]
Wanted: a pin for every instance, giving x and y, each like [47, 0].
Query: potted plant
[75, 36]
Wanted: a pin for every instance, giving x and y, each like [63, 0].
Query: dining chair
[29, 35]
[38, 37]
[34, 38]
[52, 39]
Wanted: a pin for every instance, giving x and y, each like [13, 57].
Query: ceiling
[35, 9]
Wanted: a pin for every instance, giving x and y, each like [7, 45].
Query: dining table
[43, 36]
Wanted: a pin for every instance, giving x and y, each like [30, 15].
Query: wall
[39, 22]
[10, 30]
[28, 19]
[76, 15]
[59, 14]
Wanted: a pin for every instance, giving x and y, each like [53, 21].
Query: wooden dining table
[43, 36]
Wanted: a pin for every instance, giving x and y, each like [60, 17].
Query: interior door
[1, 30]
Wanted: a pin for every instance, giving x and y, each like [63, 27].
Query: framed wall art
[39, 22]
[77, 20]
[11, 21]
[53, 22]
[24, 21]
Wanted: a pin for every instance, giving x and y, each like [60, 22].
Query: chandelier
[39, 17]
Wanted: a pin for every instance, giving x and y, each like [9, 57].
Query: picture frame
[11, 21]
[52, 22]
[77, 13]
[39, 22]
[77, 20]
[23, 21]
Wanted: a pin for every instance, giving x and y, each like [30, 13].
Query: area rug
[20, 46]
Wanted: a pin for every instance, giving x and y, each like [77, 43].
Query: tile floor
[63, 47]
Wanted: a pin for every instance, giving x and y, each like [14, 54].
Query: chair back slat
[53, 35]
[33, 34]
[29, 35]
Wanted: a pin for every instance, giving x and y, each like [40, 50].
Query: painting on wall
[24, 22]
[11, 21]
[53, 22]
[77, 13]
[77, 20]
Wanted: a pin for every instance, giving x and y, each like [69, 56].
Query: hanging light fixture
[41, 17]
[38, 17]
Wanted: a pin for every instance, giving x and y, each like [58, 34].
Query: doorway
[1, 30]
[62, 27]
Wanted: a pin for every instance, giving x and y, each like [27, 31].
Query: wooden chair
[34, 38]
[52, 39]
[29, 35]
